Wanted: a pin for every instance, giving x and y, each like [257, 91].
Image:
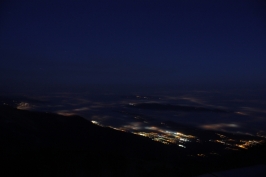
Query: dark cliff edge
[46, 144]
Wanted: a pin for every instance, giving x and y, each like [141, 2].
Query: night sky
[74, 44]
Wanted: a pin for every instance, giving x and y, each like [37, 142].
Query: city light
[178, 138]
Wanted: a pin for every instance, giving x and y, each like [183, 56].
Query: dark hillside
[29, 138]
[45, 144]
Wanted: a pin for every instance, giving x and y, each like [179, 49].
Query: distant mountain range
[170, 107]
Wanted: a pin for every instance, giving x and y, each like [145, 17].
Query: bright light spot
[182, 146]
[218, 126]
[23, 106]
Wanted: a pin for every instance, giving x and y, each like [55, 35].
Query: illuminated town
[180, 139]
[232, 143]
[163, 136]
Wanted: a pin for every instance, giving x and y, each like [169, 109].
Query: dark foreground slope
[44, 144]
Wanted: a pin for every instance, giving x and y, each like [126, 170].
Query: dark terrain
[46, 144]
[169, 107]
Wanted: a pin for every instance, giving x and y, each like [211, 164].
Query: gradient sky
[46, 44]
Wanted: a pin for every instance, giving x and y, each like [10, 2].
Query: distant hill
[170, 107]
[46, 144]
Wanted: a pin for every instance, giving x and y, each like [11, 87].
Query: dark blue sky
[45, 44]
